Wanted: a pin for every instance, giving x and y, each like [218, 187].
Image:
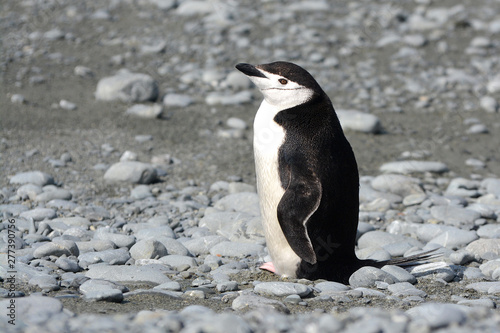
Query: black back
[314, 140]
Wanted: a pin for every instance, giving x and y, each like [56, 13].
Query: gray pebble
[245, 202]
[54, 194]
[109, 256]
[406, 167]
[251, 302]
[56, 248]
[120, 240]
[67, 265]
[359, 121]
[32, 177]
[405, 289]
[455, 238]
[172, 286]
[147, 233]
[454, 215]
[400, 274]
[482, 302]
[37, 310]
[148, 249]
[150, 273]
[367, 276]
[178, 260]
[105, 295]
[438, 315]
[67, 105]
[282, 289]
[173, 246]
[44, 282]
[236, 249]
[131, 172]
[202, 245]
[227, 286]
[127, 87]
[39, 214]
[19, 99]
[177, 100]
[148, 111]
[484, 248]
[397, 184]
[436, 270]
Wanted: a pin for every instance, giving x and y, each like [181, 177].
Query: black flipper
[299, 202]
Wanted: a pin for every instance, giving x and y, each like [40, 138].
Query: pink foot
[268, 266]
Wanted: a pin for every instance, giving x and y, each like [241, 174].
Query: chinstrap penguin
[307, 178]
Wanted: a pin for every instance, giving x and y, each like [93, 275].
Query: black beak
[249, 70]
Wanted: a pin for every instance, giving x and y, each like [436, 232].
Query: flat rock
[132, 274]
[367, 276]
[484, 248]
[236, 226]
[148, 111]
[236, 249]
[400, 274]
[455, 215]
[202, 245]
[56, 248]
[252, 302]
[405, 289]
[120, 240]
[397, 184]
[55, 194]
[127, 87]
[455, 238]
[359, 121]
[177, 100]
[32, 177]
[438, 315]
[178, 260]
[379, 238]
[485, 287]
[131, 172]
[245, 202]
[407, 167]
[39, 214]
[111, 257]
[37, 310]
[282, 289]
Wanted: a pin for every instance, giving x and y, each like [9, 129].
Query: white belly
[268, 137]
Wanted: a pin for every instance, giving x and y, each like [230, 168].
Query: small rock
[177, 100]
[489, 104]
[149, 111]
[281, 289]
[33, 177]
[148, 249]
[132, 172]
[124, 274]
[252, 302]
[66, 105]
[127, 87]
[236, 249]
[359, 121]
[17, 99]
[406, 167]
[367, 276]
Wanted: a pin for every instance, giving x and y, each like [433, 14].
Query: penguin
[307, 178]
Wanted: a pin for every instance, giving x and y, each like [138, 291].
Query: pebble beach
[127, 181]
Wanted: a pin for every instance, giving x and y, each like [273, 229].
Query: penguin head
[283, 84]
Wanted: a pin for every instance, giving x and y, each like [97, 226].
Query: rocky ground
[127, 183]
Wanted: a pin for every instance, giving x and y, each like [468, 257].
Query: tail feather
[413, 260]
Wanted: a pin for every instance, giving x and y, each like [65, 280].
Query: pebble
[148, 274]
[148, 111]
[484, 248]
[67, 105]
[177, 100]
[359, 121]
[131, 172]
[404, 289]
[32, 177]
[54, 194]
[281, 289]
[176, 261]
[251, 302]
[17, 99]
[128, 87]
[407, 167]
[367, 276]
[244, 202]
[236, 249]
[438, 315]
[489, 104]
[148, 249]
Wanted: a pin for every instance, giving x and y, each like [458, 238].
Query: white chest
[268, 137]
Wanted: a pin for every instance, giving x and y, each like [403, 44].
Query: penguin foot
[268, 266]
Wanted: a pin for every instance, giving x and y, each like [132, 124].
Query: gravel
[127, 189]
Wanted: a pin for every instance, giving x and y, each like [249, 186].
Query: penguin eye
[283, 81]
